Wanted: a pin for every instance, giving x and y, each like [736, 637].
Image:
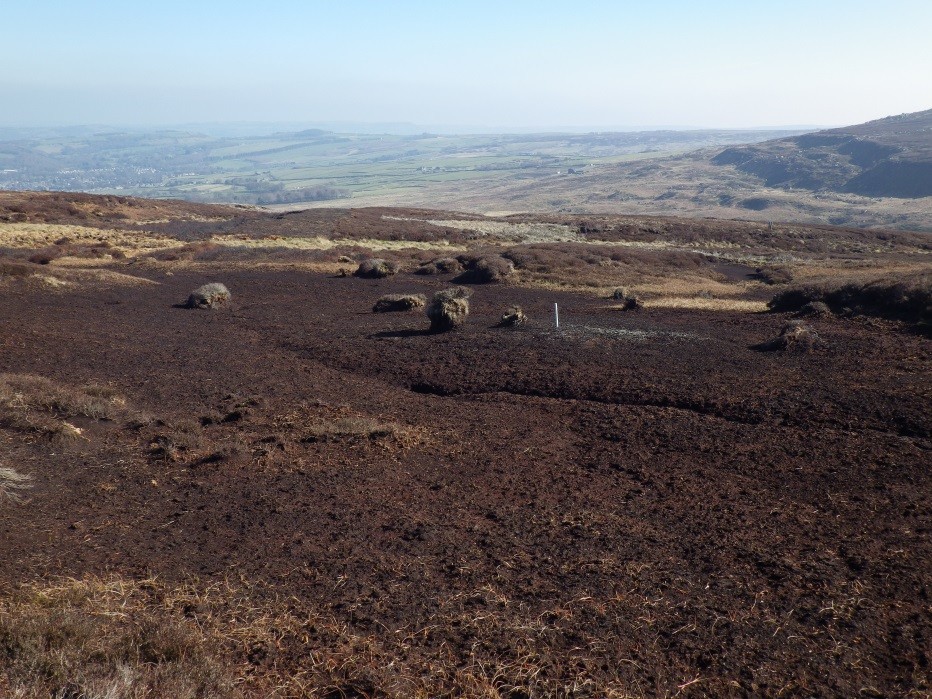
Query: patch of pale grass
[108, 638]
[689, 286]
[703, 304]
[182, 217]
[74, 277]
[54, 282]
[328, 267]
[856, 271]
[12, 484]
[505, 231]
[361, 429]
[37, 235]
[108, 276]
[320, 243]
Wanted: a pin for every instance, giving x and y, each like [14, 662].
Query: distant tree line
[318, 193]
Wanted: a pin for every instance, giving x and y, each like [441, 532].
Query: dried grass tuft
[795, 336]
[488, 269]
[448, 309]
[442, 265]
[399, 302]
[513, 317]
[115, 637]
[376, 268]
[211, 295]
[628, 301]
[30, 403]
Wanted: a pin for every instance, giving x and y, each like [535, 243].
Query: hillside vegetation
[889, 157]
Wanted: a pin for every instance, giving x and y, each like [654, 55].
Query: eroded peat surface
[291, 495]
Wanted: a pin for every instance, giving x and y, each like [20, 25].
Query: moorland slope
[294, 496]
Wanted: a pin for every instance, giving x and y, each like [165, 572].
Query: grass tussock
[399, 302]
[440, 265]
[213, 295]
[448, 309]
[795, 336]
[774, 275]
[626, 300]
[513, 317]
[485, 269]
[376, 268]
[30, 403]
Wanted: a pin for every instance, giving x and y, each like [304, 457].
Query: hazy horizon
[223, 129]
[485, 68]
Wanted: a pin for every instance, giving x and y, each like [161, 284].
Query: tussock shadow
[414, 332]
[504, 325]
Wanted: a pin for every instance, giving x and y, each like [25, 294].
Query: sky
[580, 65]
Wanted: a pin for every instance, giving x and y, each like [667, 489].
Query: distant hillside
[889, 157]
[315, 165]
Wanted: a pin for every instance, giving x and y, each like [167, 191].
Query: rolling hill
[889, 157]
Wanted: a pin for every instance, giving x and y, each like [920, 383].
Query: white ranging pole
[556, 315]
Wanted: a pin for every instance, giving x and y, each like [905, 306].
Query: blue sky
[583, 64]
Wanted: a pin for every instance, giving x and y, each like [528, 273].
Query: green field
[312, 166]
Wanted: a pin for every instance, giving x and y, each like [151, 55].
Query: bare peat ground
[293, 496]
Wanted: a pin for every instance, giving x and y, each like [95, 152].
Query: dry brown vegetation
[906, 298]
[116, 638]
[351, 428]
[399, 302]
[111, 638]
[448, 309]
[486, 269]
[513, 317]
[442, 265]
[376, 268]
[89, 209]
[212, 295]
[794, 336]
[36, 404]
[627, 300]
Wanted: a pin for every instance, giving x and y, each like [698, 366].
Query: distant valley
[877, 174]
